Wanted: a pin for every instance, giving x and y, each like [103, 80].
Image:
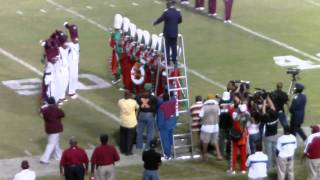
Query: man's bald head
[73, 141]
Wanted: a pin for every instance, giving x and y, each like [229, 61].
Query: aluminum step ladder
[177, 83]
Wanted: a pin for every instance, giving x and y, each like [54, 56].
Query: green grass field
[218, 51]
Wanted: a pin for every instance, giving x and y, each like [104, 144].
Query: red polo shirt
[105, 155]
[313, 150]
[74, 156]
[52, 115]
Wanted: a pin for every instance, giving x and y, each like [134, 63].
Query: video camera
[241, 83]
[293, 71]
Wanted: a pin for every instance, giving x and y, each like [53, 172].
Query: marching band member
[74, 60]
[115, 44]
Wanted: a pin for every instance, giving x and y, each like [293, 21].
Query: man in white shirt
[257, 164]
[209, 115]
[286, 145]
[25, 174]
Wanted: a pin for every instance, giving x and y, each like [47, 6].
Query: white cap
[226, 96]
[154, 43]
[146, 36]
[126, 24]
[42, 43]
[139, 34]
[243, 107]
[65, 23]
[133, 29]
[117, 21]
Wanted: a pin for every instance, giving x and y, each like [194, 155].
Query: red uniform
[238, 145]
[105, 155]
[227, 9]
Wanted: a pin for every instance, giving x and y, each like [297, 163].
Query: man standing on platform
[227, 10]
[172, 18]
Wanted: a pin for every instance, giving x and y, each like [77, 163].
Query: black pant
[74, 172]
[295, 127]
[171, 43]
[127, 137]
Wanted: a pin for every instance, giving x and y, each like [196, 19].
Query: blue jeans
[145, 120]
[150, 175]
[270, 144]
[283, 119]
[253, 139]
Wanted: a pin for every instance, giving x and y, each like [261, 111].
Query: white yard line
[81, 98]
[313, 2]
[194, 72]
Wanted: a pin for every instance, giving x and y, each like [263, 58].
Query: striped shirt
[286, 145]
[195, 111]
[257, 164]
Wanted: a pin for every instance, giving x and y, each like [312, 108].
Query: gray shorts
[209, 137]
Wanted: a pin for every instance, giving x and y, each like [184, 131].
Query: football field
[263, 32]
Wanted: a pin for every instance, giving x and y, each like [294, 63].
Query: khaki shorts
[209, 137]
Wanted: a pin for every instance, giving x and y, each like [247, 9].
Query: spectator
[286, 145]
[103, 160]
[270, 119]
[297, 110]
[166, 121]
[52, 116]
[196, 123]
[254, 133]
[152, 161]
[312, 153]
[128, 107]
[280, 98]
[209, 114]
[146, 116]
[25, 173]
[257, 164]
[225, 124]
[172, 18]
[74, 162]
[240, 117]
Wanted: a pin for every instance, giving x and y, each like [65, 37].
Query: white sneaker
[229, 21]
[225, 21]
[243, 172]
[201, 8]
[213, 15]
[115, 81]
[74, 96]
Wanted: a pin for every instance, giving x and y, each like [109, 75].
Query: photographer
[280, 98]
[270, 119]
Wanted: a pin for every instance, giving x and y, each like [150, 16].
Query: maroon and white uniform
[74, 60]
[52, 116]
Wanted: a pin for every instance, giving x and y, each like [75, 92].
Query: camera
[260, 95]
[293, 71]
[242, 83]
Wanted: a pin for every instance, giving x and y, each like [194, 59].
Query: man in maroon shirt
[74, 162]
[52, 115]
[312, 152]
[103, 159]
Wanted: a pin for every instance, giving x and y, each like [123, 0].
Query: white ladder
[177, 83]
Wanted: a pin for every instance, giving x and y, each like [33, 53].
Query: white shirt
[210, 101]
[253, 128]
[309, 140]
[286, 145]
[210, 128]
[257, 164]
[25, 174]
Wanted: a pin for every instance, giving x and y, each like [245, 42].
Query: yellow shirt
[128, 109]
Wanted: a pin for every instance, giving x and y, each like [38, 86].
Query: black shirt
[225, 121]
[151, 159]
[147, 103]
[270, 119]
[279, 99]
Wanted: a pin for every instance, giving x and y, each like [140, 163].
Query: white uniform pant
[52, 148]
[52, 91]
[73, 76]
[313, 167]
[62, 82]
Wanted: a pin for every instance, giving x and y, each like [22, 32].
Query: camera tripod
[292, 84]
